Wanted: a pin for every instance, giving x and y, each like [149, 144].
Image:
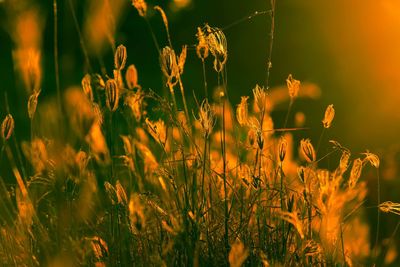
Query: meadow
[111, 172]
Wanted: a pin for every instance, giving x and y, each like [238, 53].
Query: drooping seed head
[120, 57]
[140, 6]
[7, 127]
[372, 159]
[217, 44]
[329, 115]
[308, 150]
[112, 94]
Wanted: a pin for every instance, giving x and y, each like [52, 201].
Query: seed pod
[32, 104]
[7, 127]
[112, 94]
[308, 150]
[344, 161]
[131, 77]
[293, 86]
[120, 57]
[87, 87]
[169, 65]
[282, 148]
[329, 115]
[206, 118]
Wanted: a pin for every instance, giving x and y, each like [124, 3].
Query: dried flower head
[260, 98]
[169, 65]
[308, 150]
[131, 77]
[32, 104]
[293, 86]
[120, 57]
[282, 147]
[87, 86]
[112, 94]
[140, 6]
[242, 112]
[217, 45]
[371, 158]
[7, 127]
[355, 172]
[329, 115]
[202, 46]
[158, 130]
[390, 206]
[206, 118]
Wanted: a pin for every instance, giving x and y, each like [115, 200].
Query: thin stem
[271, 42]
[56, 66]
[204, 79]
[76, 23]
[378, 216]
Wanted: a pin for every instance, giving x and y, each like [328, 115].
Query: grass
[116, 175]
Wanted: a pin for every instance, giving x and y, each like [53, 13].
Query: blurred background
[350, 49]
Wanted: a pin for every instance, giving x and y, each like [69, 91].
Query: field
[112, 171]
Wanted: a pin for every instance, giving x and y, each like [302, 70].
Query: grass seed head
[355, 172]
[308, 150]
[141, 7]
[242, 112]
[120, 57]
[329, 115]
[169, 65]
[293, 86]
[282, 148]
[206, 118]
[372, 159]
[87, 86]
[7, 127]
[391, 207]
[217, 45]
[112, 94]
[131, 77]
[202, 45]
[32, 104]
[260, 98]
